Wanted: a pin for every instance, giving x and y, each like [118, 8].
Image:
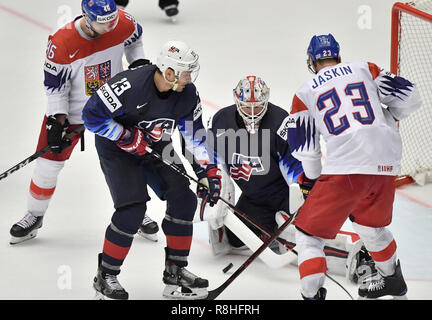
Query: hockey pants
[127, 177]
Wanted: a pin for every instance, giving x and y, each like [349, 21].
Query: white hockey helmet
[179, 57]
[251, 96]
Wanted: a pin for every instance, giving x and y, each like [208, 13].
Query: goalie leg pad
[219, 241]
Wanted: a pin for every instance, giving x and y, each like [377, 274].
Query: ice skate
[172, 12]
[378, 286]
[321, 295]
[108, 287]
[149, 229]
[183, 284]
[25, 229]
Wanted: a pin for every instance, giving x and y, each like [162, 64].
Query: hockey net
[411, 57]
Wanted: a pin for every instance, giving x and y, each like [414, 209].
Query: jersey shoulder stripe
[297, 105]
[374, 70]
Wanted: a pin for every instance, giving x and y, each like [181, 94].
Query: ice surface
[233, 39]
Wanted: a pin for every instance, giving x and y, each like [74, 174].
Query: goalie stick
[253, 242]
[288, 246]
[39, 153]
[270, 238]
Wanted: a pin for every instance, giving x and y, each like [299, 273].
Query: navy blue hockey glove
[55, 132]
[305, 184]
[134, 141]
[211, 185]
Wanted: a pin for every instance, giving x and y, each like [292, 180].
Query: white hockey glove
[215, 215]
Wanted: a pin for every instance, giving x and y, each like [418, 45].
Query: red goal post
[411, 57]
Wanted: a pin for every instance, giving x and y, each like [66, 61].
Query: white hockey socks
[42, 185]
[381, 246]
[312, 263]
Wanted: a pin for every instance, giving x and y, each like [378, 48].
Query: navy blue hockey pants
[127, 177]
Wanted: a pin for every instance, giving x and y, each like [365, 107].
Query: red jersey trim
[297, 105]
[374, 70]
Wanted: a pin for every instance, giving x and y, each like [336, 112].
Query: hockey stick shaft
[185, 174]
[39, 153]
[270, 237]
[285, 243]
[213, 294]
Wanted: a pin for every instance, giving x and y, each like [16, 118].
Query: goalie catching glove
[134, 141]
[55, 133]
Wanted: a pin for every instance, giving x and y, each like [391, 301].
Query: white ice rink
[234, 38]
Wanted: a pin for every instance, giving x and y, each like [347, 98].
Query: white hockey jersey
[343, 103]
[76, 65]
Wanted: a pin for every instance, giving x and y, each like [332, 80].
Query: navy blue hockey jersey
[131, 99]
[261, 164]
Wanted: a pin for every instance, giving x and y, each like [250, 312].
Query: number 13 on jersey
[330, 103]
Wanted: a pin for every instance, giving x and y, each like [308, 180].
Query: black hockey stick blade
[213, 294]
[36, 155]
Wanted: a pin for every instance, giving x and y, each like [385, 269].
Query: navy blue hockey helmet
[323, 47]
[102, 11]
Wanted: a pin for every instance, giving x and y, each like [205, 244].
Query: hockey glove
[134, 141]
[215, 215]
[210, 187]
[55, 132]
[305, 184]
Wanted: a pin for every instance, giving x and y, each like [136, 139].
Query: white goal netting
[415, 64]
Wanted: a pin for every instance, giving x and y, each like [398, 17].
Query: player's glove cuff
[305, 184]
[210, 184]
[134, 141]
[55, 132]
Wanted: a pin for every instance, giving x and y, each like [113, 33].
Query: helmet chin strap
[173, 83]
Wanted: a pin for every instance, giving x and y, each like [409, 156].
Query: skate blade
[149, 236]
[404, 297]
[100, 296]
[174, 292]
[16, 240]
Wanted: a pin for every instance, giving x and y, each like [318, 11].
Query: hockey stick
[36, 155]
[270, 258]
[271, 237]
[213, 294]
[253, 242]
[289, 247]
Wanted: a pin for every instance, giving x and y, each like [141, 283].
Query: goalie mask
[179, 57]
[251, 96]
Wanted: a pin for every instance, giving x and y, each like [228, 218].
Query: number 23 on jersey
[335, 120]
